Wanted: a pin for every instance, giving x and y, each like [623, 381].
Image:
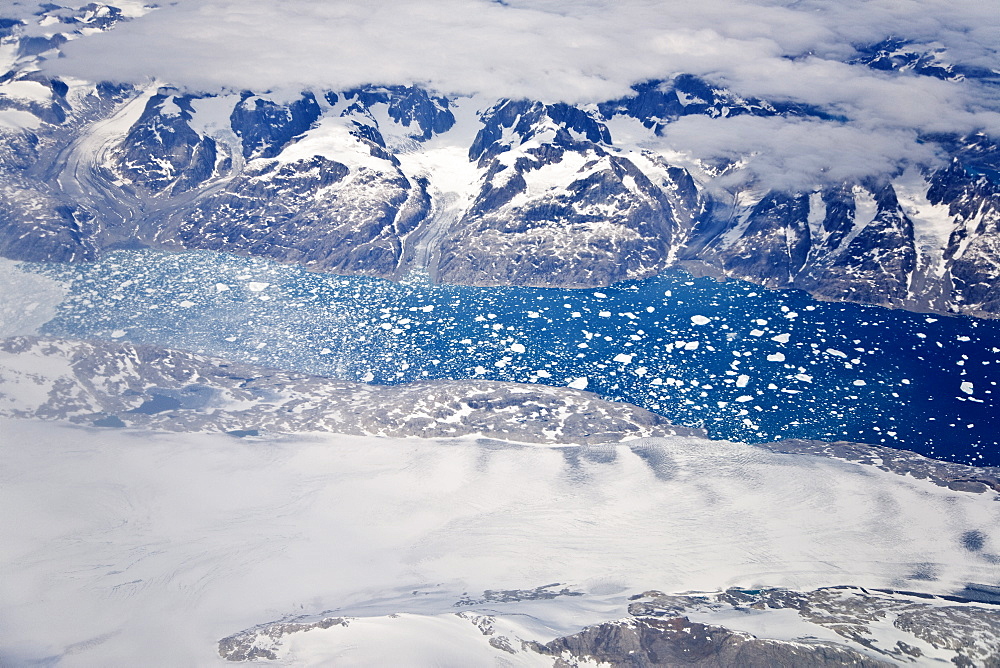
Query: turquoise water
[745, 363]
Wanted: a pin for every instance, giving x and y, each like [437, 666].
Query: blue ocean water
[745, 363]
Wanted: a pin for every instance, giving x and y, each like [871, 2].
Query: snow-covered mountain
[387, 180]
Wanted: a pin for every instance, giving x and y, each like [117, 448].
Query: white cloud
[795, 153]
[585, 51]
[533, 48]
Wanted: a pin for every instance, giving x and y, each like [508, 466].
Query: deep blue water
[745, 363]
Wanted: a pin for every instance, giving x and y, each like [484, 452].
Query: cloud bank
[579, 52]
[796, 154]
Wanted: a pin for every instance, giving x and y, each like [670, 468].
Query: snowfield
[147, 548]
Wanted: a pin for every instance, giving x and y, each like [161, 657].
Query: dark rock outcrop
[646, 642]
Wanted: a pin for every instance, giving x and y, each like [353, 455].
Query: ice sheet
[149, 548]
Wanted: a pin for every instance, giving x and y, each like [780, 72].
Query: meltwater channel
[745, 363]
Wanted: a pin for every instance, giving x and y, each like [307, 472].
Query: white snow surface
[331, 138]
[211, 117]
[27, 300]
[139, 548]
[26, 90]
[19, 120]
[932, 223]
[453, 639]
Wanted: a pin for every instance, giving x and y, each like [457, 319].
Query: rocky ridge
[122, 385]
[833, 626]
[944, 474]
